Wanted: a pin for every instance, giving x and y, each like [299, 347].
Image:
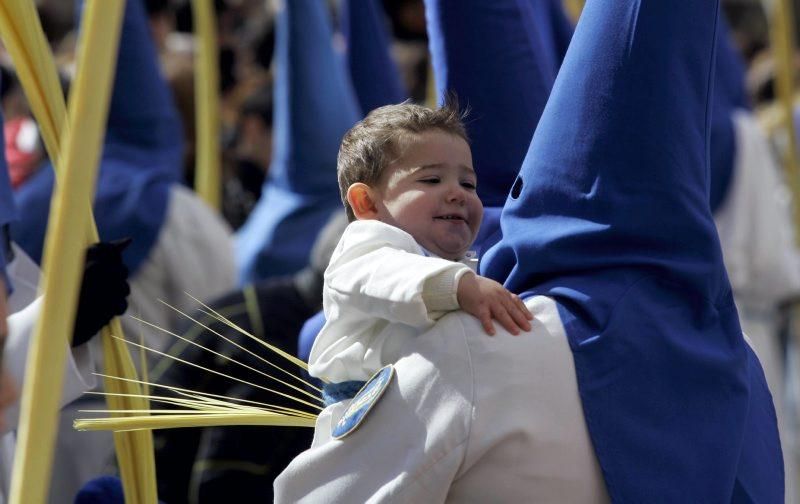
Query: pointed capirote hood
[375, 76]
[142, 111]
[730, 95]
[142, 154]
[314, 108]
[610, 218]
[500, 59]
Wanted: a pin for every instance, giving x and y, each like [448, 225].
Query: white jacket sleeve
[78, 377]
[379, 287]
[24, 308]
[755, 224]
[380, 271]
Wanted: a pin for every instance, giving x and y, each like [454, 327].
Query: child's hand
[486, 299]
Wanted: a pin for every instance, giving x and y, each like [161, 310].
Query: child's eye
[430, 180]
[469, 185]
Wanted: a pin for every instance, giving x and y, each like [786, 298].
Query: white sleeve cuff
[440, 291]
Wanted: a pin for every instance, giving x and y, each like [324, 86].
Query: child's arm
[378, 275]
[379, 271]
[486, 299]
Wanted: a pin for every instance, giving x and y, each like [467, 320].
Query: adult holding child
[636, 384]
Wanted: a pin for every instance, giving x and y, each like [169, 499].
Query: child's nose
[456, 194]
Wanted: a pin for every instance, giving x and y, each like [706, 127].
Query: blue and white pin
[363, 402]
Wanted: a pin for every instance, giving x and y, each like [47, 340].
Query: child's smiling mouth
[451, 217]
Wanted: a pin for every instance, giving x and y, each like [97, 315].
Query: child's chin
[452, 253]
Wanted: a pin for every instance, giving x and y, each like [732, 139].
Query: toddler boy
[409, 189]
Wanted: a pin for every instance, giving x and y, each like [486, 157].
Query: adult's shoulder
[530, 367]
[463, 408]
[493, 360]
[528, 422]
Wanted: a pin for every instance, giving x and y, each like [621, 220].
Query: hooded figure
[141, 158]
[139, 193]
[610, 218]
[102, 296]
[314, 107]
[376, 79]
[636, 383]
[179, 244]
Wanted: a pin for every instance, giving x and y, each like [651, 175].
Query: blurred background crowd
[246, 45]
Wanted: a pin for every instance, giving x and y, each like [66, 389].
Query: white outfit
[24, 307]
[467, 418]
[755, 230]
[381, 289]
[194, 255]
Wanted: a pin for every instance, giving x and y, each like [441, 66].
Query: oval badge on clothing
[363, 402]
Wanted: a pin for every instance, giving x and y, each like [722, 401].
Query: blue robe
[610, 217]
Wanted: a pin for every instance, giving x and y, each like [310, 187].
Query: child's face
[429, 192]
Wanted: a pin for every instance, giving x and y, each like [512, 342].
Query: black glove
[104, 289]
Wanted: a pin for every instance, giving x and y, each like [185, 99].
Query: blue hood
[142, 154]
[500, 58]
[314, 107]
[375, 76]
[610, 218]
[503, 79]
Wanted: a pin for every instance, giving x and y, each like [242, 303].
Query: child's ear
[360, 197]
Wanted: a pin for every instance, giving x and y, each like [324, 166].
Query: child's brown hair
[376, 141]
